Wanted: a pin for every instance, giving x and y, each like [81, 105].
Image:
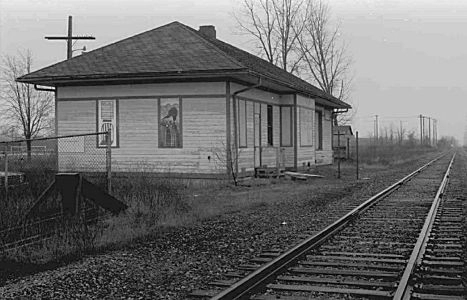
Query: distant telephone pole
[421, 130]
[69, 38]
[429, 131]
[376, 128]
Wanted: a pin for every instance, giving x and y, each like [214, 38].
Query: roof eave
[321, 99]
[135, 77]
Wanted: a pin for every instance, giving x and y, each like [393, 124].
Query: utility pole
[69, 38]
[429, 131]
[421, 130]
[376, 129]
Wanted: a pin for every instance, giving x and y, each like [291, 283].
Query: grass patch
[156, 204]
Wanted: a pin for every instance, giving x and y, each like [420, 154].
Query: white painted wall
[203, 128]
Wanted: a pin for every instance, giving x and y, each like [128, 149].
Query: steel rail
[262, 275]
[405, 288]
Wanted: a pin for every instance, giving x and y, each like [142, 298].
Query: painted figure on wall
[169, 127]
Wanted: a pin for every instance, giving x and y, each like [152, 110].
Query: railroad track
[405, 242]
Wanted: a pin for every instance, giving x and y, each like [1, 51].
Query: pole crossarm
[72, 37]
[69, 38]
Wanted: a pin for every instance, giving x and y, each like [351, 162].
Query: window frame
[319, 129]
[270, 125]
[117, 123]
[159, 119]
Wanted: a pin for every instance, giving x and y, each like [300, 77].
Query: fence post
[109, 160]
[5, 179]
[356, 149]
[348, 148]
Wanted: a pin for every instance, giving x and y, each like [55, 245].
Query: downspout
[234, 104]
[339, 111]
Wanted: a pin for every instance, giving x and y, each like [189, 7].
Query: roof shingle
[172, 48]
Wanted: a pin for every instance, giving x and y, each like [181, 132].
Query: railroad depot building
[180, 101]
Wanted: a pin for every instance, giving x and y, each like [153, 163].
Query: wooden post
[68, 185]
[348, 148]
[356, 149]
[339, 154]
[5, 179]
[108, 157]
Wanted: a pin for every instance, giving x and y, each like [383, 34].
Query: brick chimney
[208, 31]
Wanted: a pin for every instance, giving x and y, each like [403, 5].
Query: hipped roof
[172, 51]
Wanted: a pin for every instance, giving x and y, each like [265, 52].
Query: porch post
[295, 134]
[228, 147]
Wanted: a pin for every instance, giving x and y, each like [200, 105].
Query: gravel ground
[170, 264]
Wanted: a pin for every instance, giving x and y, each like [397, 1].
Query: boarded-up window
[170, 123]
[107, 116]
[306, 127]
[319, 130]
[270, 126]
[242, 123]
[286, 126]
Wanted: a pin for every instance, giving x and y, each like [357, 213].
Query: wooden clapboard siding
[269, 156]
[288, 157]
[305, 101]
[203, 123]
[77, 118]
[203, 131]
[203, 128]
[246, 154]
[324, 156]
[327, 130]
[256, 94]
[128, 90]
[286, 99]
[305, 154]
[138, 129]
[246, 159]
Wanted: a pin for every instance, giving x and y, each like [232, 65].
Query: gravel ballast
[175, 261]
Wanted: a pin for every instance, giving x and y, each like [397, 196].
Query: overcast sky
[409, 57]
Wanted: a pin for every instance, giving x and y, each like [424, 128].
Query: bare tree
[400, 132]
[298, 36]
[26, 110]
[324, 53]
[273, 24]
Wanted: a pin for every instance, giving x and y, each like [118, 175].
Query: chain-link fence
[28, 167]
